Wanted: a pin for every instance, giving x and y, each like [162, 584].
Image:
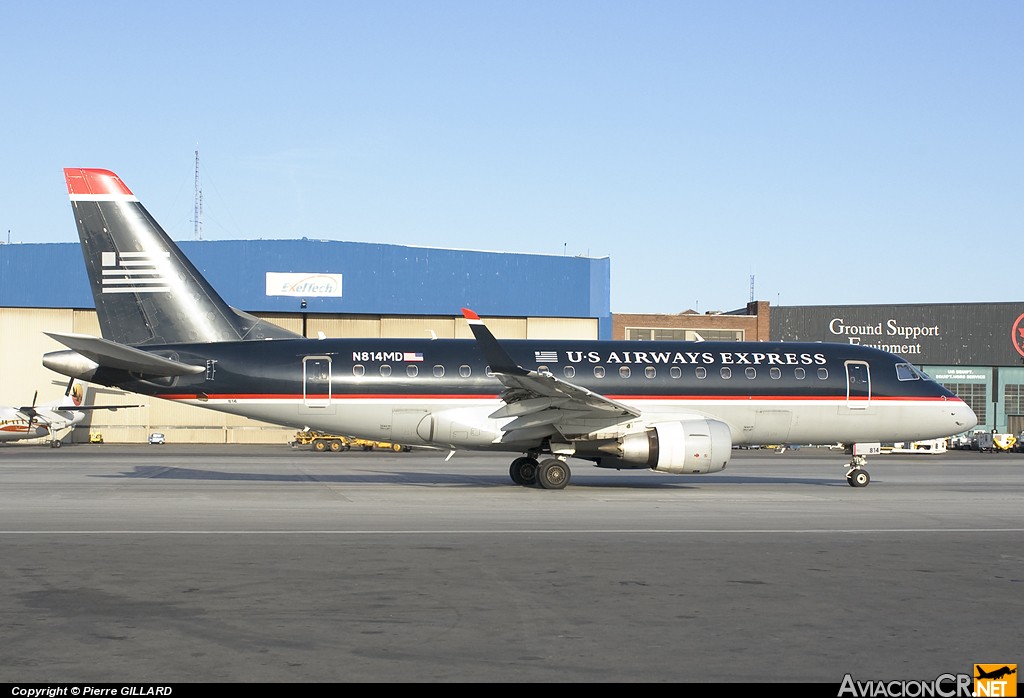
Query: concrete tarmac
[187, 563]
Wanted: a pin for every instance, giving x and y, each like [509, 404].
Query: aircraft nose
[964, 417]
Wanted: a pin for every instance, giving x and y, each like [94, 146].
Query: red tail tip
[93, 181]
[469, 314]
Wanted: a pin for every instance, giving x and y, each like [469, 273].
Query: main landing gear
[550, 474]
[856, 476]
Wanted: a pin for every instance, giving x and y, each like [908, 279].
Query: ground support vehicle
[321, 442]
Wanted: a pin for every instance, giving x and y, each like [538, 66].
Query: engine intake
[692, 446]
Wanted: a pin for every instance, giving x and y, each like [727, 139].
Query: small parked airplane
[675, 407]
[41, 421]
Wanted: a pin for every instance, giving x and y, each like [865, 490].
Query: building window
[1013, 398]
[670, 334]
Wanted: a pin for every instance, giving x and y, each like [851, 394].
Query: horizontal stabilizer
[113, 355]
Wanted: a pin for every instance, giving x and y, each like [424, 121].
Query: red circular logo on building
[1017, 334]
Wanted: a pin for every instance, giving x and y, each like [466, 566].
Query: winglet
[497, 358]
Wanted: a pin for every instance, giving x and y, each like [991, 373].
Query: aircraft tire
[523, 471]
[858, 478]
[553, 474]
[55, 444]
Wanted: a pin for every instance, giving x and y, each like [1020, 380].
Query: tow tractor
[322, 442]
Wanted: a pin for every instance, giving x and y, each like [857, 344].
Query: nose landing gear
[856, 476]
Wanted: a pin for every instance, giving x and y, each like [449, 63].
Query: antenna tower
[751, 288]
[197, 219]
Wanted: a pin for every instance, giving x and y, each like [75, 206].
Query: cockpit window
[907, 372]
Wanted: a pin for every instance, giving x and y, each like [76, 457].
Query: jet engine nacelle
[691, 446]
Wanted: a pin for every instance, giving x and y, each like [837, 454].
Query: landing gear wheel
[553, 474]
[55, 444]
[858, 478]
[523, 471]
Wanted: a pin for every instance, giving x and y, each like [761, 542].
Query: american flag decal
[135, 272]
[545, 355]
[412, 356]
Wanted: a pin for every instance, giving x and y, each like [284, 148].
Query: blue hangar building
[320, 279]
[312, 287]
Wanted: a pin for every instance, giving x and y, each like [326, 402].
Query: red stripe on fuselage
[621, 398]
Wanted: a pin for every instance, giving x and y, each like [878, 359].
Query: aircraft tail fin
[145, 289]
[74, 396]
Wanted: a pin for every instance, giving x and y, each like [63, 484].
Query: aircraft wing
[542, 404]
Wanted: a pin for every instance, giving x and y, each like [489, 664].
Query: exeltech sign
[305, 285]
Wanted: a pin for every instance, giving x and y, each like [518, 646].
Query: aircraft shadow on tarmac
[640, 481]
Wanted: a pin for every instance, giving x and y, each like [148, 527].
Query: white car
[156, 438]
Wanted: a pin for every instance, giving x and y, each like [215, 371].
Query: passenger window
[438, 371]
[598, 371]
[358, 370]
[799, 373]
[569, 371]
[624, 371]
[650, 372]
[385, 370]
[412, 370]
[751, 372]
[465, 371]
[488, 372]
[822, 373]
[701, 372]
[726, 372]
[775, 372]
[675, 372]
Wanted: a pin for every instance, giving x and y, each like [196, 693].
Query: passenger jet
[672, 407]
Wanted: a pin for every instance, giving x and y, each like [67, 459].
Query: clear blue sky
[838, 152]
